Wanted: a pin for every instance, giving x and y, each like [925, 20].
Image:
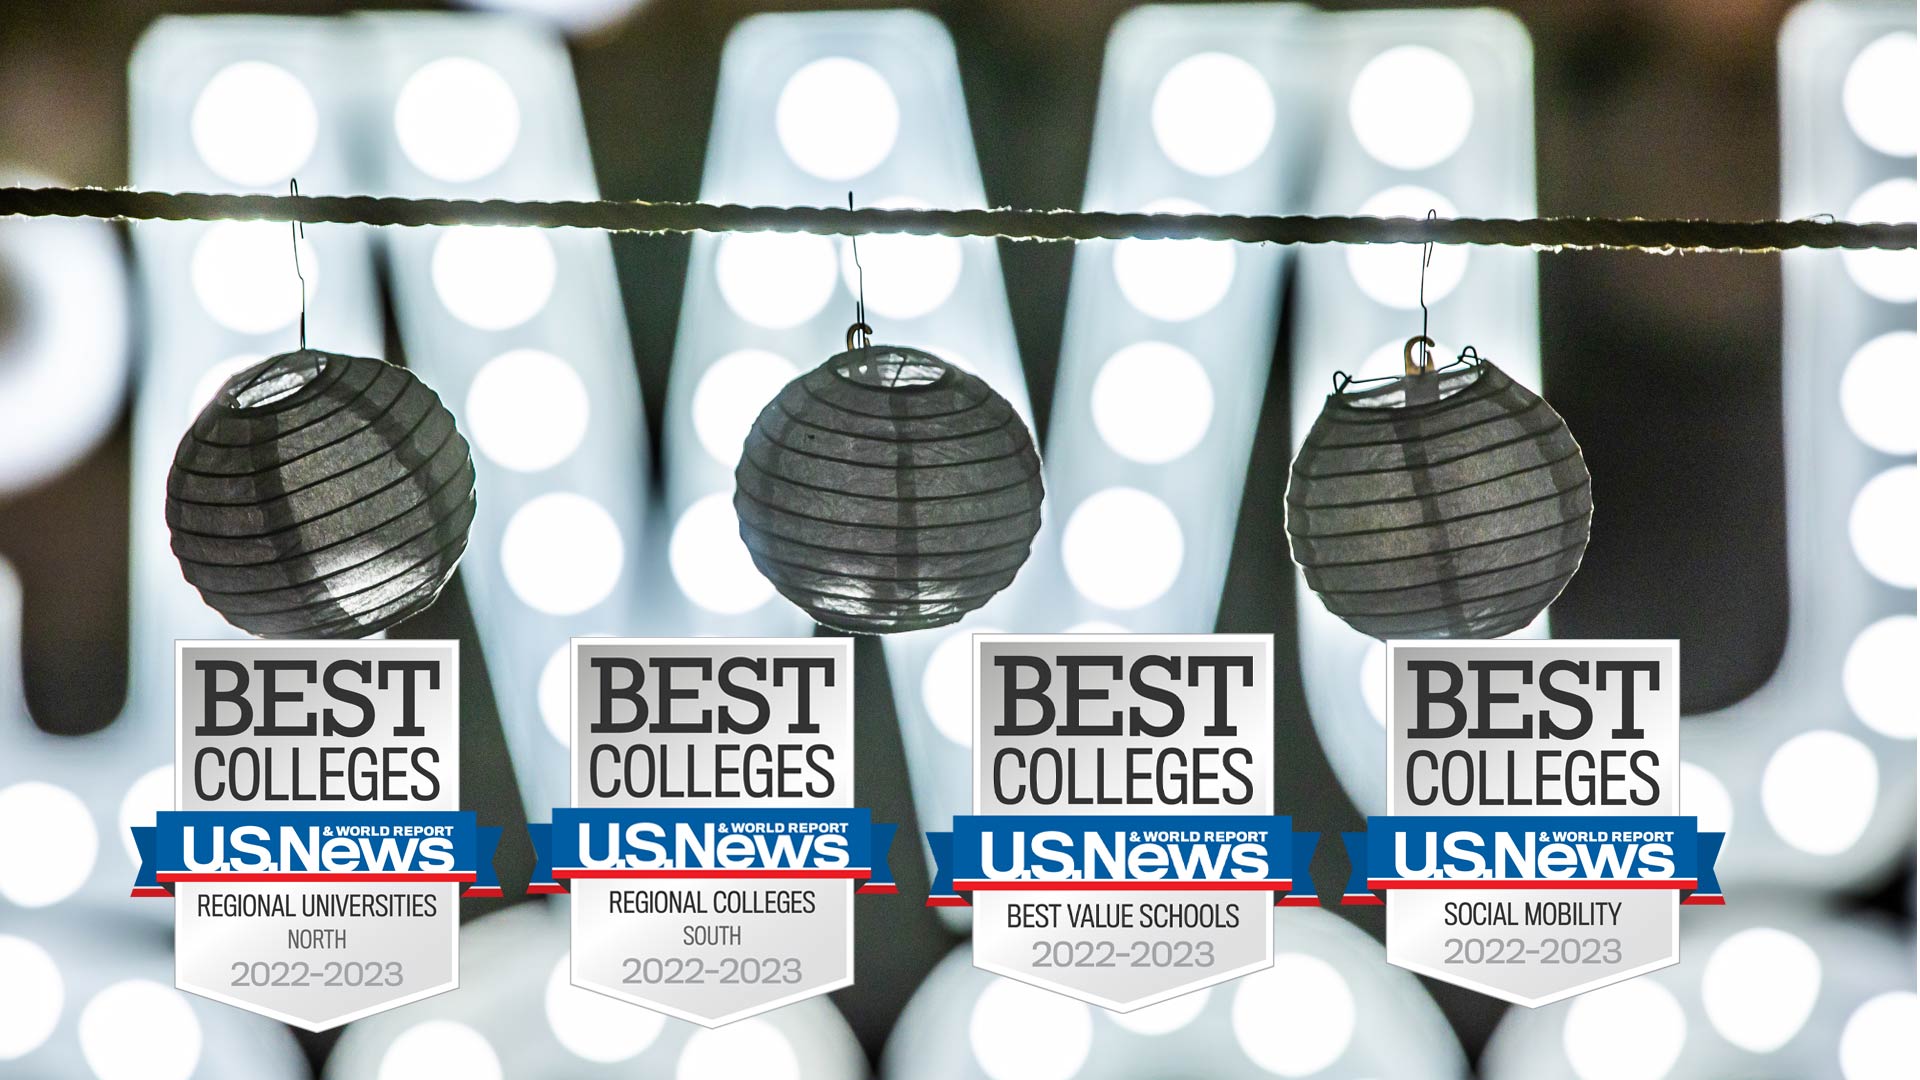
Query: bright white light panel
[1166, 350]
[1427, 110]
[811, 107]
[523, 334]
[217, 105]
[1814, 773]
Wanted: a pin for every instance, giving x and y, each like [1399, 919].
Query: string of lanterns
[884, 491]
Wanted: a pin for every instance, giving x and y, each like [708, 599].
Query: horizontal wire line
[607, 215]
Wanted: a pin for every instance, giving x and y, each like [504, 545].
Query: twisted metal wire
[607, 215]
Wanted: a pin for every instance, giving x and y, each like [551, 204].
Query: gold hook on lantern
[1423, 364]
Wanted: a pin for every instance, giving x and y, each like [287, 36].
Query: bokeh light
[1165, 1017]
[562, 553]
[48, 862]
[1880, 678]
[1122, 548]
[1703, 796]
[1213, 114]
[1411, 107]
[494, 277]
[1021, 1032]
[1884, 75]
[730, 395]
[243, 274]
[1173, 280]
[750, 1048]
[906, 276]
[527, 410]
[1759, 987]
[775, 280]
[1819, 790]
[837, 118]
[1884, 524]
[1152, 402]
[594, 1026]
[1893, 276]
[440, 1048]
[140, 1030]
[457, 119]
[710, 562]
[946, 686]
[255, 123]
[1878, 389]
[1390, 273]
[32, 996]
[1296, 1017]
[1593, 1038]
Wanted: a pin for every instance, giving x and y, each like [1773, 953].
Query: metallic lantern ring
[887, 490]
[321, 495]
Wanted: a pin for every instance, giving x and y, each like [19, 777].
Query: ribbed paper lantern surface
[1451, 504]
[320, 495]
[888, 490]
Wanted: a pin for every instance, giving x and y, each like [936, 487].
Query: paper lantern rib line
[321, 495]
[887, 490]
[1462, 514]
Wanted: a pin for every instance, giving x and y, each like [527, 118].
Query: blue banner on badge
[1628, 852]
[647, 843]
[1148, 852]
[235, 846]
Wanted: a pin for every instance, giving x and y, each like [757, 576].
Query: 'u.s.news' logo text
[642, 842]
[1420, 852]
[237, 846]
[1229, 852]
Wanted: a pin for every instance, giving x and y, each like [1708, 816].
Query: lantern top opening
[891, 367]
[1410, 391]
[273, 380]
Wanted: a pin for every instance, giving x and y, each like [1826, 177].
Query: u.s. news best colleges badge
[317, 851]
[1533, 847]
[1123, 848]
[712, 848]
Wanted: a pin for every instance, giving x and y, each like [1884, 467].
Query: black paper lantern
[887, 490]
[321, 496]
[1451, 503]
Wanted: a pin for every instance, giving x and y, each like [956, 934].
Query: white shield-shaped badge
[317, 852]
[712, 849]
[1123, 848]
[1533, 847]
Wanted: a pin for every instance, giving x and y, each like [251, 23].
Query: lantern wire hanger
[299, 234]
[1412, 365]
[859, 329]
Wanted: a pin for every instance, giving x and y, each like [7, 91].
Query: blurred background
[1747, 419]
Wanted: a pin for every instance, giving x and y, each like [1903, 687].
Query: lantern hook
[1425, 363]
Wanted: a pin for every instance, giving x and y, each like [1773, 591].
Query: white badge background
[428, 949]
[822, 940]
[1649, 929]
[1010, 951]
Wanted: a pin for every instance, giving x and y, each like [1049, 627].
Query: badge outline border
[1612, 978]
[180, 645]
[853, 892]
[1265, 642]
